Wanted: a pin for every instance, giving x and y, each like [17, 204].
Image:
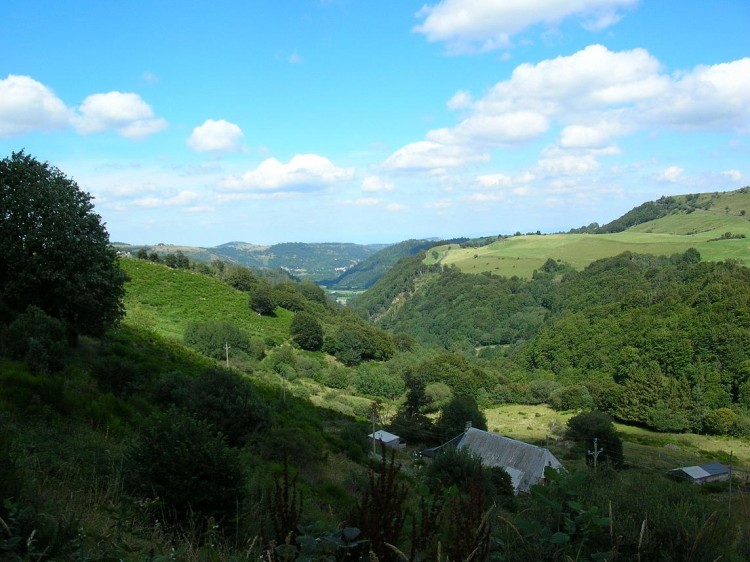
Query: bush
[587, 427]
[574, 397]
[210, 338]
[37, 339]
[306, 331]
[190, 470]
[721, 421]
[262, 300]
[375, 380]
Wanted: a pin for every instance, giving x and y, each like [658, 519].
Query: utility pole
[596, 452]
[731, 453]
[373, 431]
[226, 349]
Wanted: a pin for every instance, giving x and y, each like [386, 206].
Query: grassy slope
[167, 300]
[643, 448]
[521, 255]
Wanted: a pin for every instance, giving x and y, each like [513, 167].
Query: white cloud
[216, 136]
[396, 207]
[707, 98]
[27, 105]
[180, 200]
[304, 172]
[149, 77]
[424, 155]
[295, 58]
[439, 204]
[124, 112]
[481, 25]
[734, 175]
[460, 100]
[375, 184]
[592, 97]
[672, 174]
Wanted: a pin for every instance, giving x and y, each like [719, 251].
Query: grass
[642, 447]
[521, 255]
[167, 300]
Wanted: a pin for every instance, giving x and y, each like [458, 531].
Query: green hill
[315, 262]
[167, 300]
[716, 224]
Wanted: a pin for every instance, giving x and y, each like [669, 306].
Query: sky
[202, 122]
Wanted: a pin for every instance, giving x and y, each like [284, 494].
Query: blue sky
[198, 123]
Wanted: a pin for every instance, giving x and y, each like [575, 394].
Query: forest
[159, 408]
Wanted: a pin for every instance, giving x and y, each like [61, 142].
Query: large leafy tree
[54, 250]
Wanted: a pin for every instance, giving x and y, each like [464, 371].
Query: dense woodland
[214, 412]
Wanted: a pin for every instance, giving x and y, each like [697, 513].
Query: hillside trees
[54, 250]
[306, 331]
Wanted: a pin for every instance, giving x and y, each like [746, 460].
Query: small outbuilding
[524, 463]
[388, 439]
[712, 472]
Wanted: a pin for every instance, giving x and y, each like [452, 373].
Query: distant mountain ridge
[313, 261]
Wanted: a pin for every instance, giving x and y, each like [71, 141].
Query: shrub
[306, 331]
[721, 421]
[587, 427]
[183, 463]
[210, 338]
[574, 397]
[37, 339]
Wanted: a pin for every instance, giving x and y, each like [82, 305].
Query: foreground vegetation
[225, 415]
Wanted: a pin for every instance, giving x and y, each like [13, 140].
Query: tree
[306, 331]
[586, 427]
[456, 413]
[262, 301]
[54, 250]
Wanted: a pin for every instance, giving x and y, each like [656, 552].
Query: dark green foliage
[241, 278]
[455, 415]
[461, 468]
[54, 250]
[454, 370]
[218, 397]
[178, 260]
[375, 380]
[262, 300]
[210, 338]
[381, 512]
[356, 341]
[721, 421]
[575, 397]
[306, 331]
[37, 339]
[184, 464]
[287, 295]
[586, 427]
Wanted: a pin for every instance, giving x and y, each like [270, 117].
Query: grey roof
[384, 436]
[524, 462]
[703, 471]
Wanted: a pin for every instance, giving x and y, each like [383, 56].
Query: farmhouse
[387, 439]
[712, 472]
[524, 463]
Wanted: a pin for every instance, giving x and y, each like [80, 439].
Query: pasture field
[168, 300]
[643, 448]
[521, 255]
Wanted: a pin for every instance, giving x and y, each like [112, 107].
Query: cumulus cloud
[304, 172]
[123, 112]
[396, 207]
[672, 174]
[479, 25]
[734, 175]
[27, 105]
[375, 184]
[591, 97]
[216, 136]
[424, 155]
[460, 100]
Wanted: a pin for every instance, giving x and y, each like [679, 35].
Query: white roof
[383, 436]
[695, 472]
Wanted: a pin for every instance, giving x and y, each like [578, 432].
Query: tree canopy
[54, 250]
